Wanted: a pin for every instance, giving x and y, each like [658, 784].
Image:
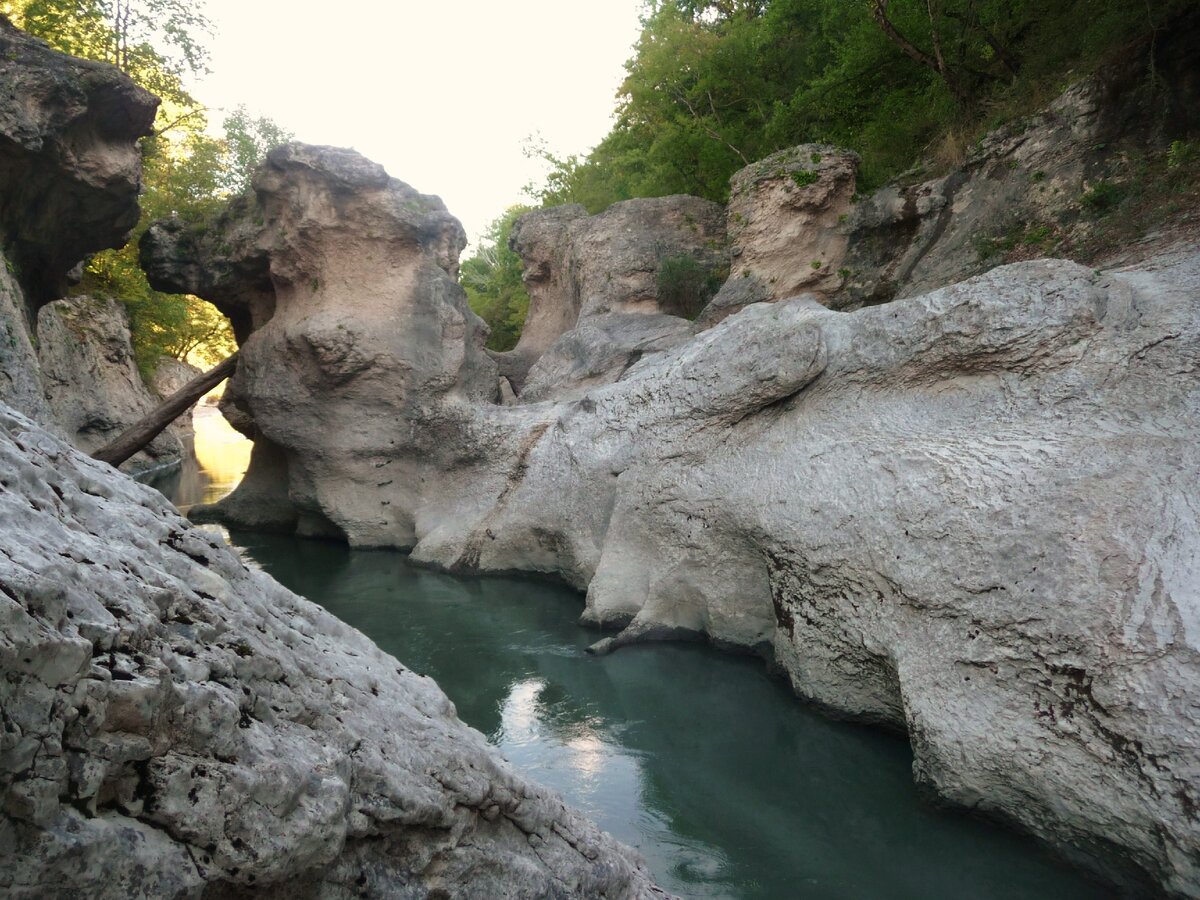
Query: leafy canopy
[712, 86]
[186, 171]
[492, 280]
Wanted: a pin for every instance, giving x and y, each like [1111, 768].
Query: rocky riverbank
[965, 513]
[172, 723]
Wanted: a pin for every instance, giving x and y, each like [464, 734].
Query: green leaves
[714, 84]
[492, 280]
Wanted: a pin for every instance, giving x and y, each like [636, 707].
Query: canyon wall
[70, 173]
[966, 513]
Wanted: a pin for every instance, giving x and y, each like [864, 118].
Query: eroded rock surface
[92, 383]
[176, 724]
[70, 168]
[340, 282]
[785, 217]
[664, 256]
[969, 514]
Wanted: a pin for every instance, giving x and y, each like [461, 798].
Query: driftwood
[138, 436]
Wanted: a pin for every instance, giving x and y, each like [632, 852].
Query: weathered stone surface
[1017, 192]
[70, 169]
[967, 514]
[350, 322]
[176, 724]
[92, 383]
[600, 350]
[785, 217]
[579, 266]
[20, 378]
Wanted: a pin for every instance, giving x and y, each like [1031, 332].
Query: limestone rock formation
[92, 383]
[175, 722]
[969, 514]
[664, 256]
[785, 218]
[799, 228]
[347, 274]
[68, 154]
[966, 514]
[20, 378]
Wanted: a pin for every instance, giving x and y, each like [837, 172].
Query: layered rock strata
[179, 725]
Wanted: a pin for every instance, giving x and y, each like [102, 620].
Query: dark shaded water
[725, 783]
[714, 771]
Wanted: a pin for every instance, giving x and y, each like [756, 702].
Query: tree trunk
[138, 436]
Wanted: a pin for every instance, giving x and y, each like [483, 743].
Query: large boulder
[661, 257]
[70, 168]
[177, 724]
[340, 281]
[968, 515]
[92, 382]
[785, 218]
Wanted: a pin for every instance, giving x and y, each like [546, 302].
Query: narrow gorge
[934, 490]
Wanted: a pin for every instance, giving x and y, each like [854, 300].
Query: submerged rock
[177, 724]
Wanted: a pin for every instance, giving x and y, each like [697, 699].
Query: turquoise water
[714, 771]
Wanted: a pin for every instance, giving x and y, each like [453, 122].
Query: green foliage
[714, 85]
[1102, 198]
[186, 172]
[1182, 154]
[804, 177]
[685, 286]
[492, 280]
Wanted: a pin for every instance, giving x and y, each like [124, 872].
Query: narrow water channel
[727, 785]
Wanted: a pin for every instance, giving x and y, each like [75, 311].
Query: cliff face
[92, 383]
[70, 172]
[966, 513]
[608, 289]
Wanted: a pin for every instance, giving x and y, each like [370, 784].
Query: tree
[186, 172]
[492, 280]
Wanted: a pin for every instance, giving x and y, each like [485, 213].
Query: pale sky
[443, 94]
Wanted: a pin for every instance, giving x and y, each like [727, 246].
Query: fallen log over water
[138, 436]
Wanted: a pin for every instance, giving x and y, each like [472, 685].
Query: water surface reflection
[725, 783]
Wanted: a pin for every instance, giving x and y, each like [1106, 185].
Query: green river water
[727, 785]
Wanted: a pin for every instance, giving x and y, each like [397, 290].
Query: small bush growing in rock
[685, 286]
